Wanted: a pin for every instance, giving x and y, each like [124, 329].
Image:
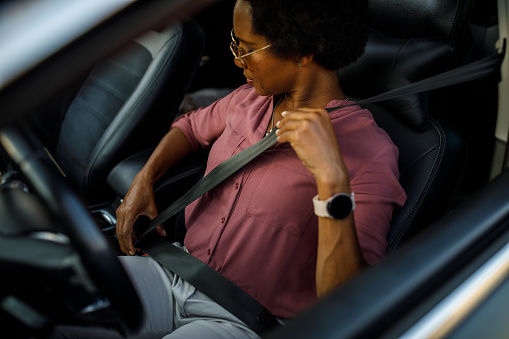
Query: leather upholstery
[389, 63]
[420, 18]
[126, 105]
[407, 41]
[410, 40]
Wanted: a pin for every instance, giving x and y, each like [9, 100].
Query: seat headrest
[408, 40]
[419, 18]
[389, 63]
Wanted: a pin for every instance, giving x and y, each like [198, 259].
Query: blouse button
[223, 219]
[237, 186]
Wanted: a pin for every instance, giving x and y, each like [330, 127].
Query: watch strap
[321, 206]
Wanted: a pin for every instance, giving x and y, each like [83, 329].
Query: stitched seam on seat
[417, 160]
[424, 190]
[454, 20]
[460, 180]
[395, 62]
[103, 84]
[92, 109]
[123, 66]
[427, 183]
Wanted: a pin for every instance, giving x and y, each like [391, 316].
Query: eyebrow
[242, 40]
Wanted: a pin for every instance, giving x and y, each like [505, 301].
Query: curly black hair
[333, 31]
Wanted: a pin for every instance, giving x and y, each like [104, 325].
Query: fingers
[161, 230]
[124, 231]
[310, 133]
[127, 214]
[303, 122]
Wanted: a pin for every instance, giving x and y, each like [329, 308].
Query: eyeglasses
[237, 52]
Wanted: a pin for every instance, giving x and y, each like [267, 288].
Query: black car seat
[126, 104]
[409, 40]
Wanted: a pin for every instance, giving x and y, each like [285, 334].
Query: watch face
[340, 207]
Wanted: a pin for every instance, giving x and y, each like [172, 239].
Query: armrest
[172, 185]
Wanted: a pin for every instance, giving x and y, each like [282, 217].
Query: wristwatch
[339, 206]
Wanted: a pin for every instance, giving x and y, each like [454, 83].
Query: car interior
[58, 254]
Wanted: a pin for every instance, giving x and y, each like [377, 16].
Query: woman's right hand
[139, 201]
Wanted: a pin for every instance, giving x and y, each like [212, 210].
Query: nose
[239, 63]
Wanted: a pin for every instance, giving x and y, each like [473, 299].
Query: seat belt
[209, 281]
[471, 71]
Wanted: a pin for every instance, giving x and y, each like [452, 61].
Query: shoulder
[246, 95]
[361, 140]
[355, 124]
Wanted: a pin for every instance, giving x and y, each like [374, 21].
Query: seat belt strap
[208, 281]
[471, 71]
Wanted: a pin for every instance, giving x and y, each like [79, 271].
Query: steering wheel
[98, 258]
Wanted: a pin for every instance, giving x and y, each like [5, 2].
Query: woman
[259, 228]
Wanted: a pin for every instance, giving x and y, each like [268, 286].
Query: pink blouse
[258, 227]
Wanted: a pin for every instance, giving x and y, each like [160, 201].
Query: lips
[249, 80]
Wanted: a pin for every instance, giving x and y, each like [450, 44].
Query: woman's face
[269, 74]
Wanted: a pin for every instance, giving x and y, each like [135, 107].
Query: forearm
[339, 256]
[173, 147]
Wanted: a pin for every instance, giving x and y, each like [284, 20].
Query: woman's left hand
[310, 133]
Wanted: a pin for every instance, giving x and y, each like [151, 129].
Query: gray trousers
[173, 308]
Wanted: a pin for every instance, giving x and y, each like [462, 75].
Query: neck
[311, 91]
[315, 89]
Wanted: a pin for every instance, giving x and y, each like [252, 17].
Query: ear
[305, 60]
